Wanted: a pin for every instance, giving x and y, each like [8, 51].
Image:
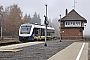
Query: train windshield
[25, 29]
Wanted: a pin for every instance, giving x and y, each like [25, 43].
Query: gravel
[36, 52]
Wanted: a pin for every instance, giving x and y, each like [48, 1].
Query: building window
[77, 23]
[66, 23]
[73, 24]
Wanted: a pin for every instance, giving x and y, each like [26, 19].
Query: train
[31, 32]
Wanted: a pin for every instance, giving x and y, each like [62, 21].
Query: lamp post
[60, 27]
[1, 13]
[46, 24]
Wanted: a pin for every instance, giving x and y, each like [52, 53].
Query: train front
[25, 33]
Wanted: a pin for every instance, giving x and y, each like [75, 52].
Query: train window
[36, 31]
[25, 29]
[41, 32]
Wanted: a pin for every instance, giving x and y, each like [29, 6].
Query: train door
[36, 33]
[42, 33]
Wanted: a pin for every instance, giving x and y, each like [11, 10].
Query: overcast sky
[55, 8]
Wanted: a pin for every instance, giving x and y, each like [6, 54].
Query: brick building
[72, 25]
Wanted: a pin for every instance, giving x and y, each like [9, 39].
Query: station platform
[75, 51]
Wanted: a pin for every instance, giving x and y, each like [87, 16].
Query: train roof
[26, 24]
[37, 26]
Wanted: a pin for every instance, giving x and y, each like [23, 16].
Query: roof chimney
[66, 11]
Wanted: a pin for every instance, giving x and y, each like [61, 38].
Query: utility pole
[1, 13]
[1, 29]
[60, 27]
[46, 24]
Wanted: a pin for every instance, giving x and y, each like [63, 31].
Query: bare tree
[13, 21]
